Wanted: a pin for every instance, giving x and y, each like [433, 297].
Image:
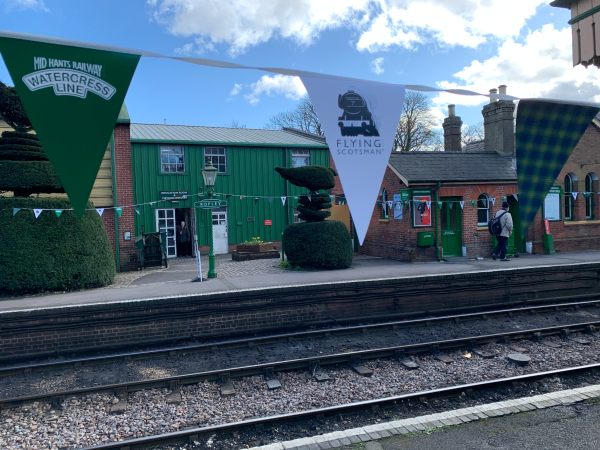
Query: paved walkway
[233, 276]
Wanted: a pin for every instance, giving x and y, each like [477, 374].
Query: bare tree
[472, 133]
[304, 118]
[416, 127]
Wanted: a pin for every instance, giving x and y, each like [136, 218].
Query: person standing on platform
[507, 227]
[183, 239]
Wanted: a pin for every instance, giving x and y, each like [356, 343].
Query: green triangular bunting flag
[58, 212]
[119, 211]
[72, 96]
[546, 134]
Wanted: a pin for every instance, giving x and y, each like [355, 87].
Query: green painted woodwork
[250, 173]
[451, 226]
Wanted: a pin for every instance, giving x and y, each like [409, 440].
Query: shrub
[51, 253]
[318, 245]
[28, 177]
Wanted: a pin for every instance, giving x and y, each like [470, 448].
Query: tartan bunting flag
[546, 133]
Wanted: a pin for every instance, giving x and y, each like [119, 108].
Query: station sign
[210, 203]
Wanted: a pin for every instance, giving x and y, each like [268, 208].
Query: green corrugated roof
[184, 134]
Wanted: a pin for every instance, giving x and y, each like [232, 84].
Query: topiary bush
[318, 245]
[51, 253]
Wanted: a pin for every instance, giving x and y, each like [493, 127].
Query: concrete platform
[232, 276]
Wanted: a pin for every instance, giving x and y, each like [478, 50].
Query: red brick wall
[397, 239]
[124, 190]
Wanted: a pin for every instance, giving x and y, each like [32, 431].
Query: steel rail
[300, 363]
[178, 436]
[232, 343]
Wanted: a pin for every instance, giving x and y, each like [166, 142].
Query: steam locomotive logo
[356, 120]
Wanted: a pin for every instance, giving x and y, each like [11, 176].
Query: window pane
[172, 159]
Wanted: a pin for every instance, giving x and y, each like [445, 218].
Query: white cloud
[463, 23]
[540, 66]
[288, 86]
[378, 24]
[242, 24]
[235, 90]
[377, 66]
[14, 5]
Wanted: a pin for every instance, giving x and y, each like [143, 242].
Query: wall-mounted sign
[552, 204]
[210, 203]
[173, 195]
[422, 210]
[268, 222]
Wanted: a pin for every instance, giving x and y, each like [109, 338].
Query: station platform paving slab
[557, 420]
[232, 276]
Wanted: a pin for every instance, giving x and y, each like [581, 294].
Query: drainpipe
[435, 221]
[114, 190]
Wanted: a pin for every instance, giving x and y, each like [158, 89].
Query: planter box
[245, 252]
[255, 248]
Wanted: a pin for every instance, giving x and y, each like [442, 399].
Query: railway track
[315, 363]
[194, 434]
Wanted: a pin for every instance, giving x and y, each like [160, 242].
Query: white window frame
[172, 159]
[487, 209]
[300, 158]
[217, 156]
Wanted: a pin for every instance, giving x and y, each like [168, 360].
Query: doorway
[451, 226]
[220, 236]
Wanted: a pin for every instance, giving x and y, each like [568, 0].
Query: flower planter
[255, 248]
[245, 252]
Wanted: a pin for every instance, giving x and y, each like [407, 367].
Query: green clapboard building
[167, 163]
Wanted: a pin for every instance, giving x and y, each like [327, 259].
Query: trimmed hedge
[18, 134]
[318, 245]
[29, 176]
[22, 155]
[21, 141]
[51, 253]
[312, 177]
[28, 148]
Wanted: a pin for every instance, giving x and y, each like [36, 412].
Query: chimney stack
[498, 125]
[452, 131]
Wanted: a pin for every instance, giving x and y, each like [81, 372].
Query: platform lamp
[209, 173]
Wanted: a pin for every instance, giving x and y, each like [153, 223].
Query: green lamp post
[209, 173]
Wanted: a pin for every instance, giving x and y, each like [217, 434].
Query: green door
[516, 241]
[451, 226]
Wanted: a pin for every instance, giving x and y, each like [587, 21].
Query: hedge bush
[22, 155]
[28, 177]
[22, 141]
[51, 253]
[318, 245]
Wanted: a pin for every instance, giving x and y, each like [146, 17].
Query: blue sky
[471, 44]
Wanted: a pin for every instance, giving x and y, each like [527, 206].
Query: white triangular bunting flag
[516, 196]
[574, 194]
[242, 197]
[462, 204]
[493, 200]
[389, 203]
[100, 211]
[451, 205]
[428, 205]
[37, 212]
[359, 120]
[283, 199]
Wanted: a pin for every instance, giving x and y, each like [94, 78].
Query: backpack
[495, 226]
